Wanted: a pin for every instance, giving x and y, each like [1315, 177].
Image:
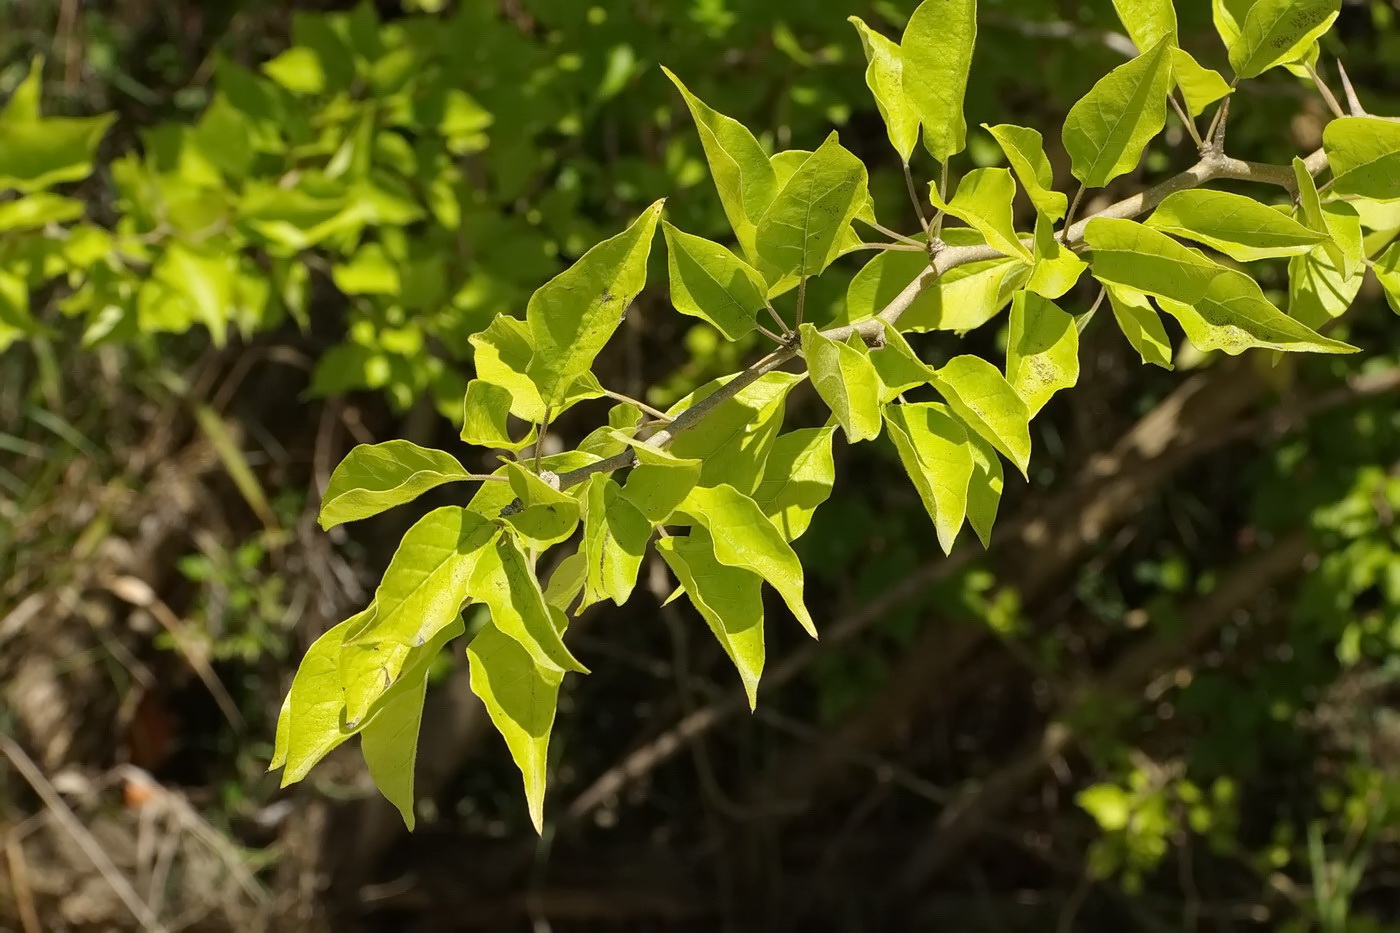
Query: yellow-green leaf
[1042, 349]
[1106, 132]
[937, 52]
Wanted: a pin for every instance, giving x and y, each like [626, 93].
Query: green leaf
[659, 482]
[1364, 153]
[42, 151]
[484, 413]
[729, 598]
[960, 300]
[1200, 86]
[520, 697]
[312, 718]
[204, 280]
[572, 315]
[547, 515]
[1320, 289]
[502, 357]
[298, 70]
[1310, 205]
[1147, 22]
[1141, 324]
[1042, 350]
[934, 450]
[898, 366]
[37, 210]
[744, 537]
[798, 478]
[610, 439]
[1387, 269]
[369, 272]
[711, 283]
[738, 164]
[733, 440]
[884, 74]
[845, 378]
[1106, 132]
[1057, 268]
[983, 201]
[799, 233]
[375, 477]
[615, 535]
[503, 580]
[1279, 31]
[1025, 152]
[566, 582]
[420, 595]
[1126, 252]
[1234, 316]
[389, 736]
[985, 401]
[937, 51]
[984, 488]
[1238, 226]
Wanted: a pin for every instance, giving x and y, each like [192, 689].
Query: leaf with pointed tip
[1025, 152]
[566, 582]
[43, 151]
[389, 735]
[1141, 324]
[1126, 252]
[1319, 289]
[1238, 226]
[1364, 153]
[799, 233]
[937, 51]
[375, 477]
[574, 314]
[1234, 316]
[420, 595]
[984, 488]
[1057, 268]
[547, 515]
[884, 75]
[1388, 272]
[738, 164]
[729, 598]
[744, 537]
[1042, 350]
[484, 414]
[798, 478]
[502, 357]
[312, 718]
[521, 698]
[615, 536]
[1200, 86]
[733, 440]
[934, 450]
[609, 440]
[504, 581]
[1147, 22]
[898, 366]
[711, 283]
[845, 378]
[1310, 206]
[980, 395]
[1106, 132]
[983, 202]
[1278, 31]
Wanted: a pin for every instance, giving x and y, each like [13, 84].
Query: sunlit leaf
[547, 515]
[1057, 267]
[711, 283]
[799, 232]
[799, 476]
[845, 378]
[375, 477]
[729, 598]
[1141, 324]
[733, 440]
[1147, 22]
[484, 414]
[1200, 86]
[1042, 349]
[1025, 152]
[1364, 153]
[503, 580]
[615, 535]
[934, 450]
[1240, 227]
[884, 75]
[937, 50]
[980, 395]
[983, 201]
[1106, 132]
[1279, 31]
[1233, 315]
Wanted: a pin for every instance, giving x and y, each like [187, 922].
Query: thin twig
[767, 333]
[1353, 102]
[898, 247]
[1069, 215]
[1331, 99]
[892, 234]
[655, 413]
[914, 197]
[782, 325]
[1186, 121]
[801, 301]
[937, 226]
[544, 433]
